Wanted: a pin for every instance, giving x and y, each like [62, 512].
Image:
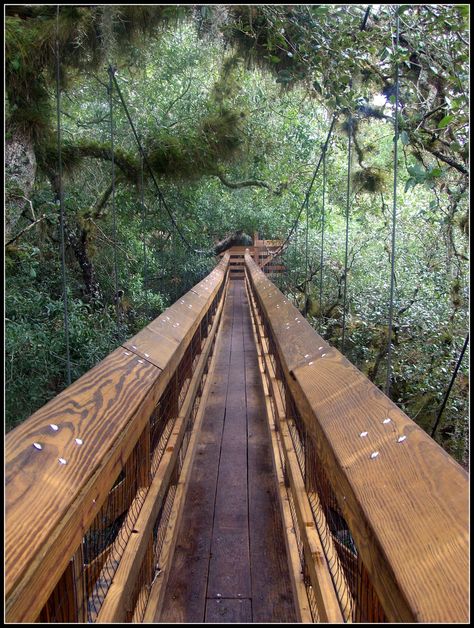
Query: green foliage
[211, 112]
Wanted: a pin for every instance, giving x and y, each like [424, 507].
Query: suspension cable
[306, 260]
[144, 213]
[145, 159]
[114, 213]
[394, 217]
[308, 192]
[349, 161]
[322, 246]
[443, 404]
[61, 202]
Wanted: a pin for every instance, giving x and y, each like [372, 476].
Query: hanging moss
[30, 46]
[447, 338]
[82, 35]
[218, 139]
[133, 21]
[47, 155]
[73, 154]
[30, 49]
[370, 180]
[221, 133]
[252, 31]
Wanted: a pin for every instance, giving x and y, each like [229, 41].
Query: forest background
[233, 105]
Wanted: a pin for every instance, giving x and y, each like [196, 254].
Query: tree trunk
[76, 238]
[20, 173]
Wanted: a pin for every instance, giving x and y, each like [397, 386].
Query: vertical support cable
[61, 201]
[295, 257]
[306, 278]
[323, 218]
[163, 250]
[142, 200]
[114, 216]
[394, 218]
[443, 404]
[348, 201]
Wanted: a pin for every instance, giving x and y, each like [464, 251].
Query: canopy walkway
[228, 464]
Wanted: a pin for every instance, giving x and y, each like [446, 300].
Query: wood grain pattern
[50, 505]
[117, 601]
[48, 508]
[408, 507]
[411, 500]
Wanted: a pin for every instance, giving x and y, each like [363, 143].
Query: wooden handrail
[62, 462]
[403, 498]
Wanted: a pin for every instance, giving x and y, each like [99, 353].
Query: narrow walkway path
[230, 561]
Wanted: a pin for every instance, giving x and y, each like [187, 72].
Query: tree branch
[179, 97]
[448, 160]
[242, 184]
[123, 161]
[96, 210]
[25, 229]
[403, 309]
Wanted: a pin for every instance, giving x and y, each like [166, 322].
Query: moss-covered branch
[128, 165]
[234, 185]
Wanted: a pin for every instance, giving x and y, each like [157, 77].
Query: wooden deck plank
[229, 568]
[230, 562]
[272, 598]
[186, 592]
[158, 588]
[228, 611]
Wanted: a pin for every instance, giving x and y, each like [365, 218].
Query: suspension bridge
[227, 464]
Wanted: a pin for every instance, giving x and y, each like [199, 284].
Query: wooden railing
[380, 511]
[91, 476]
[262, 253]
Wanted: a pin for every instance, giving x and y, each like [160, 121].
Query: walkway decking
[230, 562]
